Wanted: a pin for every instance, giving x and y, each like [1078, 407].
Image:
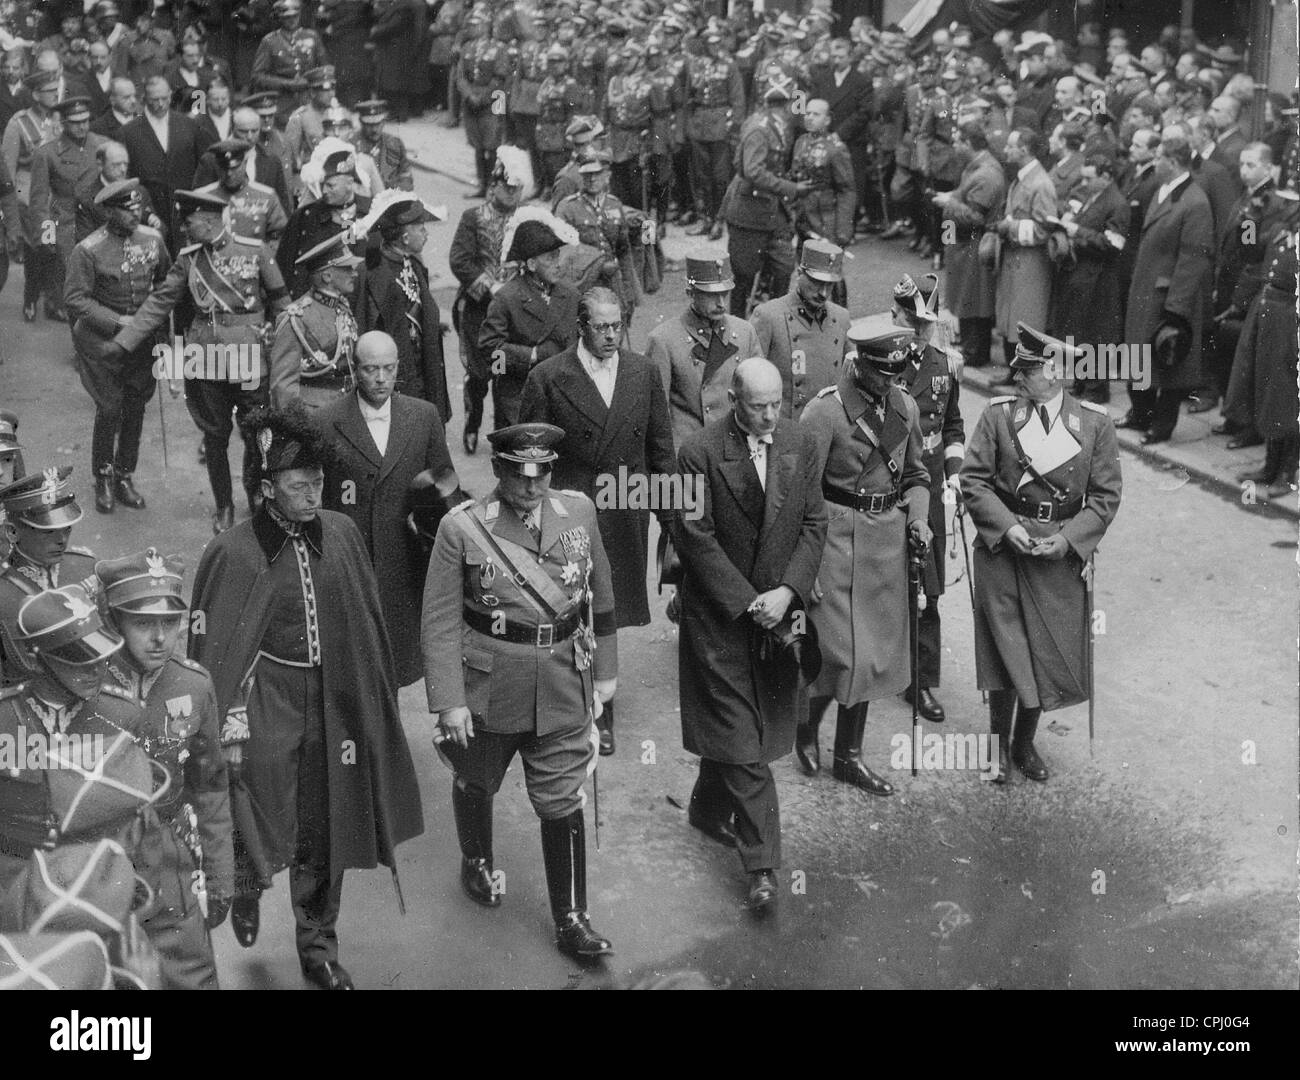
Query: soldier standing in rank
[385, 149]
[191, 867]
[1042, 484]
[255, 210]
[601, 222]
[877, 490]
[803, 333]
[285, 56]
[667, 91]
[59, 168]
[482, 78]
[306, 124]
[634, 101]
[827, 210]
[558, 101]
[109, 275]
[311, 354]
[519, 589]
[912, 156]
[943, 163]
[759, 201]
[231, 282]
[300, 659]
[522, 108]
[715, 102]
[41, 509]
[933, 378]
[396, 299]
[270, 142]
[27, 130]
[590, 57]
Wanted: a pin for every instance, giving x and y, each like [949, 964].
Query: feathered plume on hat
[285, 438]
[515, 167]
[565, 232]
[313, 172]
[394, 197]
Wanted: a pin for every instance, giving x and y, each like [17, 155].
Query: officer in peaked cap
[338, 207]
[869, 438]
[63, 632]
[1042, 483]
[386, 149]
[306, 124]
[11, 461]
[520, 655]
[124, 194]
[802, 332]
[256, 212]
[179, 728]
[41, 509]
[584, 134]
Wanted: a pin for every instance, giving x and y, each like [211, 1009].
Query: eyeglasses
[613, 329]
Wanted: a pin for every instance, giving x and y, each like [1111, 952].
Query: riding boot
[1022, 748]
[1002, 708]
[473, 813]
[564, 851]
[847, 767]
[806, 747]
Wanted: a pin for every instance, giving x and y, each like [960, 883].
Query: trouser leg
[927, 642]
[976, 341]
[1166, 411]
[745, 247]
[752, 792]
[315, 890]
[184, 950]
[1002, 708]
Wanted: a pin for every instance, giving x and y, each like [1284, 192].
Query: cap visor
[528, 468]
[822, 275]
[152, 605]
[712, 286]
[58, 518]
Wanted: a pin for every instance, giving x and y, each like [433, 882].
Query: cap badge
[157, 568]
[50, 489]
[78, 608]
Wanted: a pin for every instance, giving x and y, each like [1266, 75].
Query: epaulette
[192, 665]
[1095, 407]
[491, 511]
[557, 505]
[827, 390]
[461, 507]
[298, 306]
[1002, 399]
[1288, 195]
[954, 362]
[567, 198]
[16, 690]
[77, 550]
[118, 692]
[247, 241]
[149, 230]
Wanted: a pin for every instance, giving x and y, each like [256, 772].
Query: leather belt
[1042, 510]
[931, 441]
[232, 318]
[543, 635]
[875, 503]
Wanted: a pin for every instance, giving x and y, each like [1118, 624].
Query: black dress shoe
[807, 748]
[1133, 422]
[1283, 486]
[762, 890]
[245, 918]
[896, 229]
[574, 937]
[1004, 762]
[222, 519]
[476, 880]
[469, 440]
[126, 494]
[852, 771]
[928, 706]
[1029, 763]
[721, 831]
[1225, 427]
[1263, 475]
[327, 975]
[914, 244]
[1198, 403]
[1153, 437]
[1245, 440]
[29, 312]
[104, 501]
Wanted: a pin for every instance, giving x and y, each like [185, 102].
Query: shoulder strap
[536, 586]
[1022, 459]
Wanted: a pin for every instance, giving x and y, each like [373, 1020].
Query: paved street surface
[1167, 858]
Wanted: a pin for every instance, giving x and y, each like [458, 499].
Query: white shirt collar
[1026, 168]
[590, 360]
[369, 412]
[1167, 189]
[1054, 405]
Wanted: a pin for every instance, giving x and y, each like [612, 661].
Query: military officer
[285, 56]
[41, 509]
[868, 441]
[759, 213]
[590, 57]
[601, 221]
[933, 378]
[27, 130]
[59, 168]
[943, 163]
[1042, 483]
[558, 101]
[255, 209]
[109, 275]
[698, 351]
[385, 149]
[482, 79]
[306, 124]
[803, 333]
[912, 154]
[664, 129]
[633, 101]
[232, 282]
[715, 103]
[270, 141]
[584, 135]
[190, 863]
[311, 352]
[519, 588]
[338, 208]
[522, 108]
[821, 157]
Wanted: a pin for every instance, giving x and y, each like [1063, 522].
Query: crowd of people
[277, 246]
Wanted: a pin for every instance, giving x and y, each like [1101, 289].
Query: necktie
[1045, 417]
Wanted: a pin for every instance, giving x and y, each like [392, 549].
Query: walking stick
[162, 423]
[1089, 572]
[970, 581]
[916, 578]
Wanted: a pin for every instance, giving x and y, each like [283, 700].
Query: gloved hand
[218, 909]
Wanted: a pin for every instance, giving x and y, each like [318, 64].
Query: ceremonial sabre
[1089, 572]
[970, 581]
[915, 575]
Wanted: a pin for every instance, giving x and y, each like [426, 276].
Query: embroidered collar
[272, 536]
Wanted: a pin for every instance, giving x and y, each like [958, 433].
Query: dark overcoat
[971, 286]
[374, 803]
[372, 491]
[1086, 300]
[745, 542]
[602, 444]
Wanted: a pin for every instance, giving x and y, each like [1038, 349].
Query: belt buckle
[1044, 511]
[547, 639]
[877, 503]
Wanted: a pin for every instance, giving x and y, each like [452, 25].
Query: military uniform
[26, 131]
[389, 155]
[59, 169]
[482, 79]
[522, 105]
[759, 216]
[302, 131]
[589, 57]
[827, 210]
[518, 628]
[109, 277]
[911, 156]
[311, 353]
[633, 101]
[255, 211]
[1031, 631]
[283, 58]
[602, 223]
[715, 102]
[665, 135]
[558, 101]
[807, 350]
[21, 578]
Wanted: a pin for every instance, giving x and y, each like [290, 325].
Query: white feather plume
[567, 233]
[518, 167]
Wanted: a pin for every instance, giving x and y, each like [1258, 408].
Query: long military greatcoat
[808, 353]
[747, 541]
[971, 286]
[372, 490]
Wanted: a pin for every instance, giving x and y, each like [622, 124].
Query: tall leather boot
[1266, 473]
[605, 728]
[847, 767]
[1002, 708]
[105, 481]
[1022, 748]
[564, 851]
[806, 747]
[473, 814]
